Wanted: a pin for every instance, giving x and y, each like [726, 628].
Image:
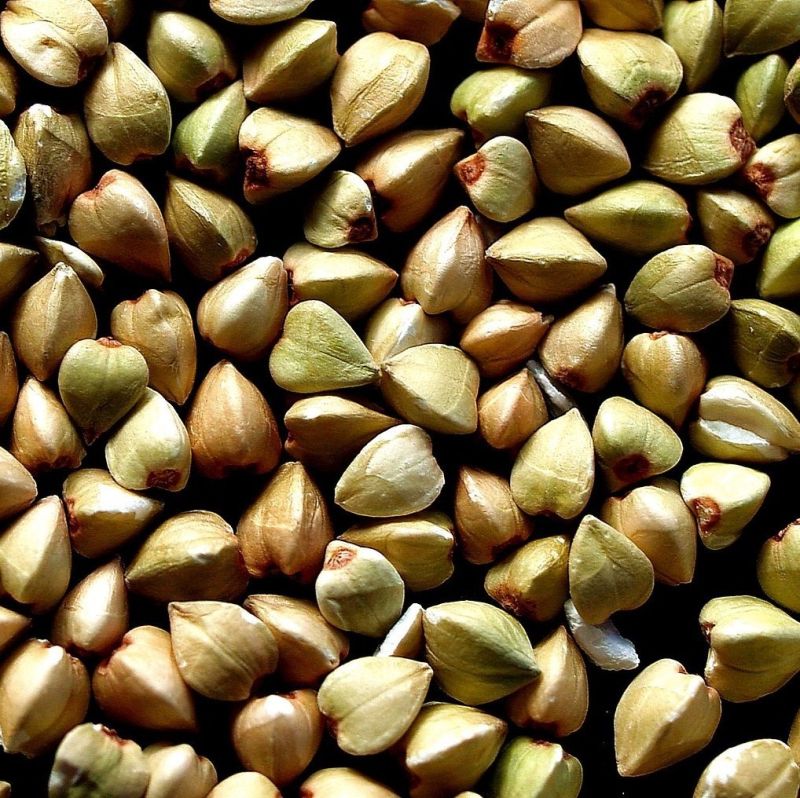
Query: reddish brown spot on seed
[514, 603]
[660, 334]
[256, 170]
[706, 628]
[339, 559]
[362, 229]
[496, 42]
[570, 378]
[651, 99]
[782, 534]
[306, 792]
[632, 468]
[212, 84]
[762, 177]
[723, 271]
[471, 170]
[756, 238]
[238, 258]
[111, 343]
[707, 512]
[168, 478]
[741, 140]
[105, 181]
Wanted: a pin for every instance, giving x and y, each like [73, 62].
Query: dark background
[665, 627]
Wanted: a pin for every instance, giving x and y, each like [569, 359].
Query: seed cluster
[361, 514]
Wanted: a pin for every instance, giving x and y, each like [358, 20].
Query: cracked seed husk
[93, 617]
[394, 474]
[94, 760]
[55, 252]
[43, 438]
[290, 61]
[56, 43]
[319, 351]
[765, 341]
[774, 172]
[582, 349]
[55, 148]
[206, 141]
[532, 581]
[682, 289]
[734, 225]
[100, 382]
[258, 12]
[759, 767]
[449, 747]
[574, 150]
[282, 151]
[778, 275]
[511, 411]
[348, 280]
[35, 557]
[503, 336]
[666, 372]
[425, 22]
[327, 431]
[754, 28]
[359, 590]
[641, 217]
[607, 572]
[231, 426]
[16, 269]
[656, 519]
[371, 702]
[17, 486]
[246, 784]
[160, 326]
[140, 684]
[398, 324]
[625, 14]
[632, 443]
[407, 173]
[188, 56]
[737, 420]
[243, 313]
[119, 221]
[664, 716]
[340, 783]
[754, 647]
[341, 213]
[52, 315]
[176, 771]
[211, 234]
[778, 567]
[44, 692]
[558, 701]
[478, 652]
[603, 644]
[221, 650]
[278, 735]
[499, 179]
[309, 648]
[628, 75]
[406, 637]
[701, 139]
[493, 102]
[535, 769]
[126, 108]
[378, 83]
[419, 546]
[193, 556]
[101, 514]
[694, 30]
[441, 267]
[554, 471]
[536, 34]
[759, 93]
[434, 386]
[13, 176]
[545, 260]
[150, 448]
[487, 519]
